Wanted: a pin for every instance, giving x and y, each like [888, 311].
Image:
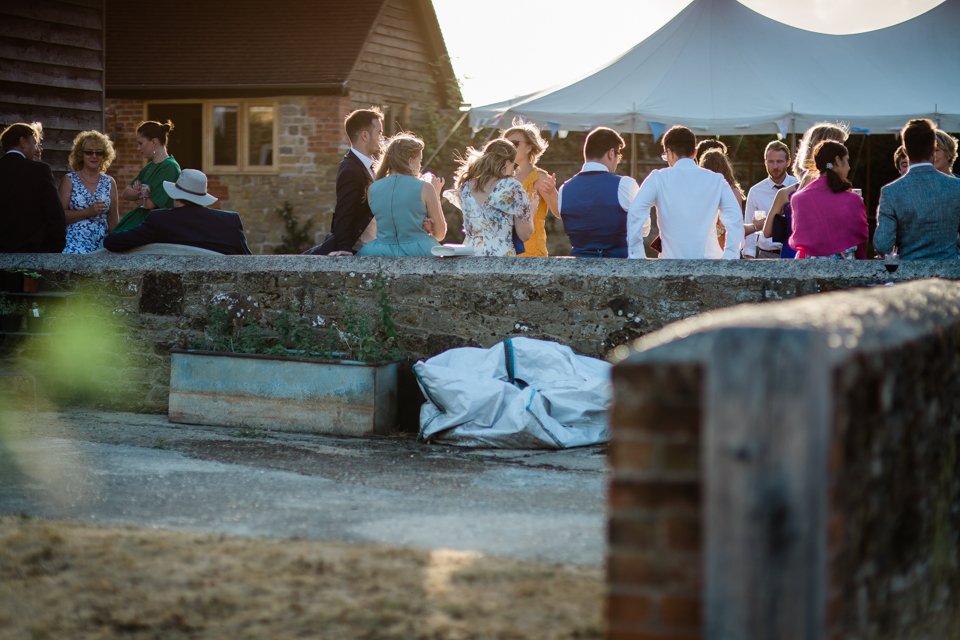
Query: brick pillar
[654, 572]
[121, 118]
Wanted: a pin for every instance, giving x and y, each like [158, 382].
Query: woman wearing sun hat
[191, 221]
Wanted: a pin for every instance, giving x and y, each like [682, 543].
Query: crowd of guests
[82, 215]
[385, 207]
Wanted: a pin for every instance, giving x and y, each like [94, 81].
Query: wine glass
[891, 262]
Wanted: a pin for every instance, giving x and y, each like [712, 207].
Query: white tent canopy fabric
[722, 68]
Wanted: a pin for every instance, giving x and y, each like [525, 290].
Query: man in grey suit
[919, 212]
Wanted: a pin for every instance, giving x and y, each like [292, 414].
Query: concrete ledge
[594, 306]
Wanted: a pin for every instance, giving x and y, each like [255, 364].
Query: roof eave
[172, 92]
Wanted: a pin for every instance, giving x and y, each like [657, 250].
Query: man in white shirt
[776, 159]
[687, 198]
[593, 204]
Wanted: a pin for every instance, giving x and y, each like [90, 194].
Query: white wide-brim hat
[190, 186]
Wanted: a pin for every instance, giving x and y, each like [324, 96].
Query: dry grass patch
[68, 580]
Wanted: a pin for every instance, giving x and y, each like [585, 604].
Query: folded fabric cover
[520, 394]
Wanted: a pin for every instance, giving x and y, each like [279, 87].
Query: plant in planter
[293, 374]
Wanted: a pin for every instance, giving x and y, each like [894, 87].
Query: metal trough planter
[284, 393]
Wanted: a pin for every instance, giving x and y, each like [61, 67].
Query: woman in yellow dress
[541, 187]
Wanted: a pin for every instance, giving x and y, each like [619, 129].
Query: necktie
[777, 187]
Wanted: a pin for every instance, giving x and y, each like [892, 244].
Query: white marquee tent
[719, 67]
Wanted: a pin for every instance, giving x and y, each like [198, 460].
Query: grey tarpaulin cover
[520, 394]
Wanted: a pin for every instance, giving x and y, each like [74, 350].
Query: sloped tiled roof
[218, 43]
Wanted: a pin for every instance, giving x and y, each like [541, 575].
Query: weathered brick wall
[311, 142]
[654, 527]
[892, 491]
[592, 305]
[895, 503]
[122, 117]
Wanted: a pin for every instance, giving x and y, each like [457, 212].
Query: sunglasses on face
[89, 152]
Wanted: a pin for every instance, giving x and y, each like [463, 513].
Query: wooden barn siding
[395, 66]
[51, 69]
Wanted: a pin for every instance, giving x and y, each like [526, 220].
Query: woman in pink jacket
[829, 221]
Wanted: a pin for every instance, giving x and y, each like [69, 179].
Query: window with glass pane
[260, 136]
[225, 136]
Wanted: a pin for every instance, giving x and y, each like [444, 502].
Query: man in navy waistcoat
[593, 204]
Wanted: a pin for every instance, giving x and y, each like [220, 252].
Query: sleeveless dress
[786, 251]
[84, 236]
[536, 245]
[488, 227]
[399, 211]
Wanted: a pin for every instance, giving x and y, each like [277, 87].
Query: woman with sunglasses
[540, 186]
[88, 194]
[493, 202]
[146, 190]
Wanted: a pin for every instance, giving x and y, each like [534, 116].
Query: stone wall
[594, 306]
[743, 504]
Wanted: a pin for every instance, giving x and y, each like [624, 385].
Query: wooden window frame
[243, 106]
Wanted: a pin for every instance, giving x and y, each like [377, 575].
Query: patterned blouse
[84, 236]
[488, 227]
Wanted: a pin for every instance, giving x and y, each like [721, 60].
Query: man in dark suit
[31, 216]
[352, 220]
[190, 222]
[919, 212]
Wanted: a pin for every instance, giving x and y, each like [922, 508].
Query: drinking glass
[891, 262]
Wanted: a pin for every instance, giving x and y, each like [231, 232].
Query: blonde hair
[816, 134]
[76, 153]
[530, 133]
[397, 153]
[949, 145]
[717, 161]
[486, 165]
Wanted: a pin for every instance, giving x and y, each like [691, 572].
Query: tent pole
[793, 136]
[867, 194]
[633, 155]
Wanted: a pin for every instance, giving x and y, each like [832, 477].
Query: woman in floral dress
[493, 202]
[88, 194]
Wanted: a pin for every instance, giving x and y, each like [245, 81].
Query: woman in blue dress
[88, 194]
[406, 208]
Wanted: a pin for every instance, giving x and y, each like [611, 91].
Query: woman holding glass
[146, 191]
[540, 186]
[804, 168]
[88, 194]
[829, 221]
[493, 202]
[403, 204]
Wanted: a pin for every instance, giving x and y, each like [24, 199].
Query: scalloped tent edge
[719, 67]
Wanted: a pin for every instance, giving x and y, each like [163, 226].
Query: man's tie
[777, 187]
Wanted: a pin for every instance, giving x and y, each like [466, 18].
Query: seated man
[190, 222]
[593, 204]
[919, 212]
